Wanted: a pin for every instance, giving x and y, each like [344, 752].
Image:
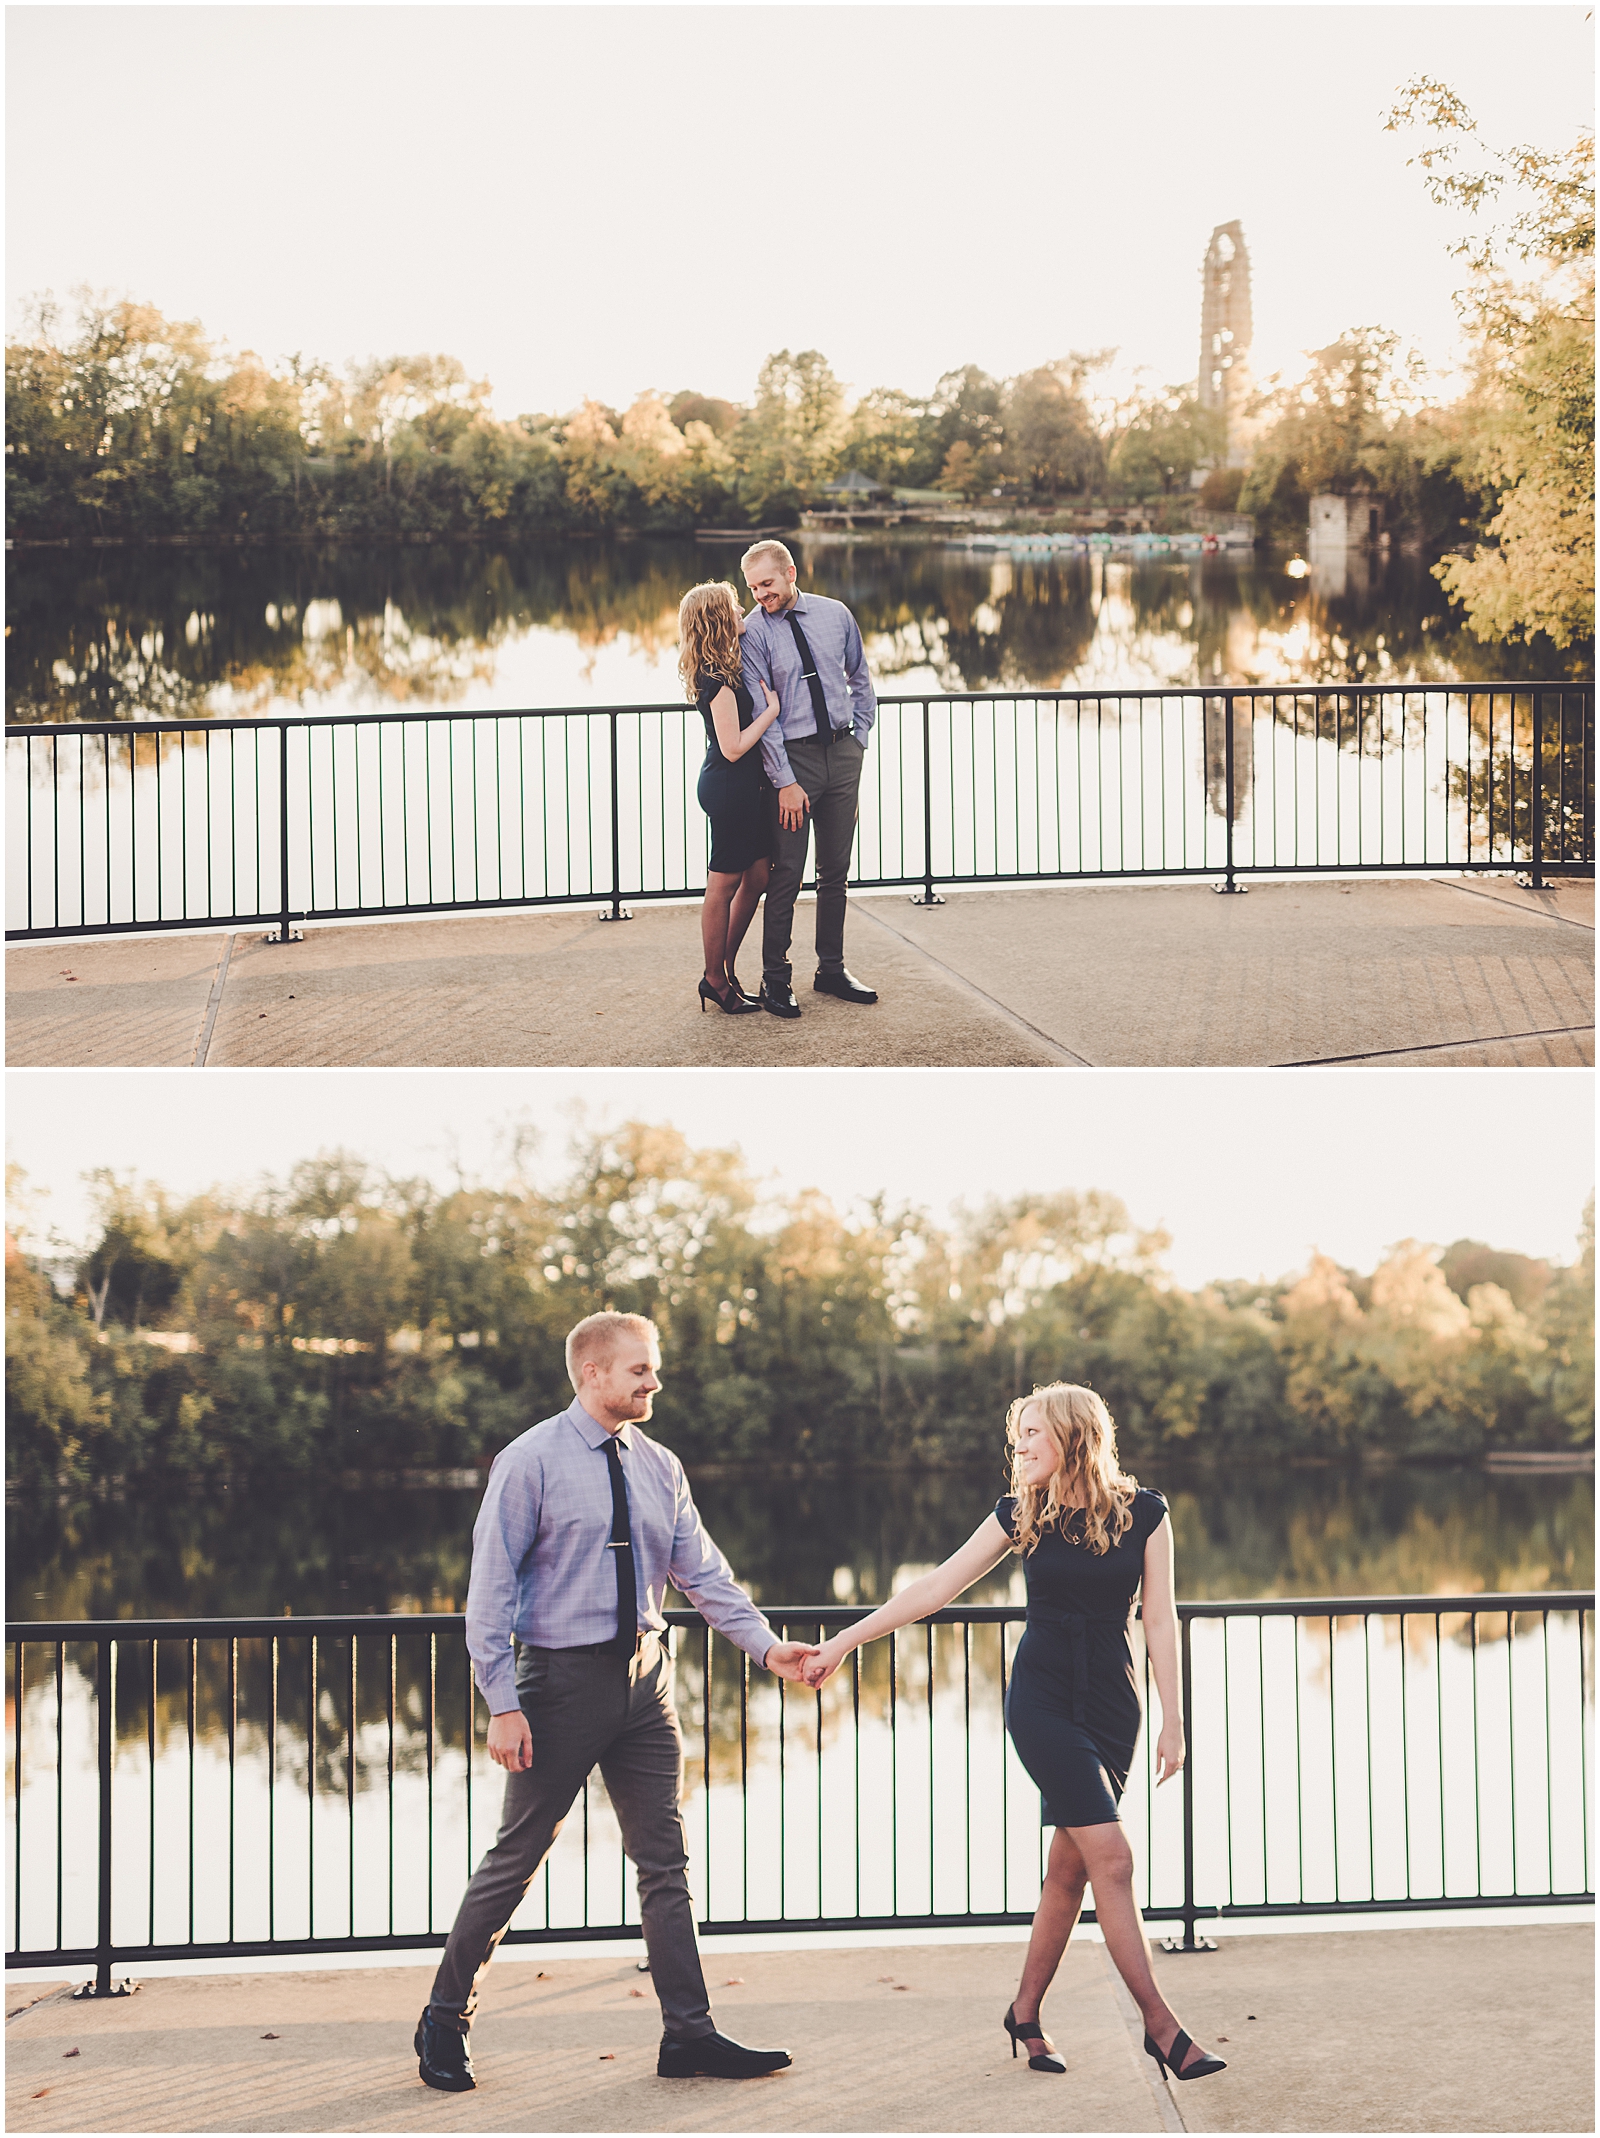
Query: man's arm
[700, 1571]
[863, 698]
[502, 1537]
[758, 677]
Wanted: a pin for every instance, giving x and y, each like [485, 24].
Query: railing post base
[106, 1989]
[926, 897]
[1230, 890]
[616, 913]
[1191, 1941]
[286, 934]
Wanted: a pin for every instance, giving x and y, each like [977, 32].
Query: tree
[1163, 438]
[1050, 439]
[1532, 569]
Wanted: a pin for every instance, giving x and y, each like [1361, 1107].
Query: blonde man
[808, 650]
[584, 1521]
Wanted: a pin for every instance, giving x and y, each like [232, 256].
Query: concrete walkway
[1420, 971]
[1411, 2030]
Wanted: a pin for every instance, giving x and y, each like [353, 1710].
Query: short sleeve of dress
[1149, 1510]
[1005, 1513]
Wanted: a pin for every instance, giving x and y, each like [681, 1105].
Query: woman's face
[1038, 1457]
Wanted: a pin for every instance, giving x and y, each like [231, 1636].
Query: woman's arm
[985, 1548]
[733, 740]
[1161, 1640]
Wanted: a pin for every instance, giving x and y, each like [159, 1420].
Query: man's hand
[511, 1741]
[792, 806]
[788, 1659]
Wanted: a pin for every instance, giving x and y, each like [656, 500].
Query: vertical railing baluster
[1536, 798]
[106, 1694]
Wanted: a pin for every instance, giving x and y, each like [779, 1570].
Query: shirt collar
[593, 1433]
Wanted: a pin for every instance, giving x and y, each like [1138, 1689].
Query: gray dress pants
[587, 1708]
[831, 777]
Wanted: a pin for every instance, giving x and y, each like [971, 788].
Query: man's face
[620, 1390]
[771, 582]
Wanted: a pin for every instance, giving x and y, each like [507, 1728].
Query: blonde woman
[733, 790]
[1090, 1538]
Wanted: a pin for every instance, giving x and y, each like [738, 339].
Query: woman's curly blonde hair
[1088, 1475]
[708, 635]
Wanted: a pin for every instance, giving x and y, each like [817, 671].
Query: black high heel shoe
[733, 1003]
[1171, 2060]
[738, 985]
[1030, 2033]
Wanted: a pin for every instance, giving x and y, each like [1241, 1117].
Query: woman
[732, 790]
[1089, 1538]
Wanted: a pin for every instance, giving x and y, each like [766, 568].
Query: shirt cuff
[498, 1682]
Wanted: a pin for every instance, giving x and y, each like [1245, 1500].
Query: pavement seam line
[202, 1046]
[1167, 2110]
[1436, 1046]
[1471, 890]
[1065, 1053]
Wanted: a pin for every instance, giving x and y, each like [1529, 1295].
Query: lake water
[1343, 1756]
[158, 634]
[472, 809]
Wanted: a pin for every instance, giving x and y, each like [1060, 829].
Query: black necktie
[819, 701]
[626, 1638]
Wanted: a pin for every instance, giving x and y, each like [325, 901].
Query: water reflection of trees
[158, 634]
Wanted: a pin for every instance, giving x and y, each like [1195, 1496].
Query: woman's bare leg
[720, 892]
[1109, 1859]
[743, 909]
[1054, 1920]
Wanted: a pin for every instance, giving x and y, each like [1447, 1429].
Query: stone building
[1226, 329]
[1352, 522]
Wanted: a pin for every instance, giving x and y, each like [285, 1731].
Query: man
[584, 1520]
[809, 650]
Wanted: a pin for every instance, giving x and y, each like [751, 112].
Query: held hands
[788, 1659]
[1170, 1750]
[824, 1661]
[511, 1741]
[792, 806]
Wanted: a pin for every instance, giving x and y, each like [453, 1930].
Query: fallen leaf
[72, 976]
[886, 1978]
[1222, 2037]
[732, 1979]
[43, 2090]
[541, 1976]
[272, 2037]
[609, 2057]
[902, 1985]
[636, 1993]
[71, 2052]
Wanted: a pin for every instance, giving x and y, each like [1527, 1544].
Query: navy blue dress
[1072, 1706]
[735, 796]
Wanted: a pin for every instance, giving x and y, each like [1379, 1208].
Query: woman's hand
[821, 1666]
[1170, 1751]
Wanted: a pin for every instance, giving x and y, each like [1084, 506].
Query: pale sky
[1248, 1169]
[596, 199]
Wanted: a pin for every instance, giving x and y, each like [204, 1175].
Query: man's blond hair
[597, 1336]
[768, 548]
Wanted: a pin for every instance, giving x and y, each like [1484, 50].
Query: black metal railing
[116, 826]
[225, 1788]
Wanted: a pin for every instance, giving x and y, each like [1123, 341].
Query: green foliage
[342, 1320]
[1529, 313]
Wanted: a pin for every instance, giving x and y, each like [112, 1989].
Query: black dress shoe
[443, 2057]
[713, 2056]
[845, 985]
[779, 997]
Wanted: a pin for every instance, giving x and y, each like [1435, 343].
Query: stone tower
[1225, 332]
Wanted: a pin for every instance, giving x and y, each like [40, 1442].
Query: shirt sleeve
[1155, 1509]
[863, 698]
[699, 1570]
[758, 674]
[502, 1537]
[1005, 1513]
